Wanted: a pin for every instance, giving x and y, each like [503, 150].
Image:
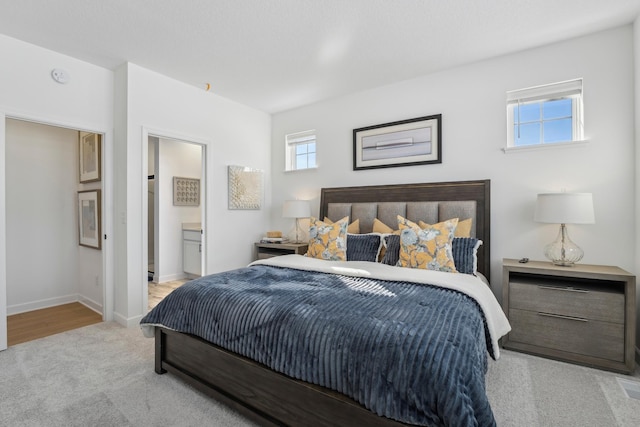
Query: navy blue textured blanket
[413, 353]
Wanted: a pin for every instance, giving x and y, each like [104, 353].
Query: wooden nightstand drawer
[265, 255]
[574, 335]
[583, 314]
[270, 250]
[573, 301]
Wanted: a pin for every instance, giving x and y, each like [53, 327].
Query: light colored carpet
[99, 375]
[102, 375]
[526, 390]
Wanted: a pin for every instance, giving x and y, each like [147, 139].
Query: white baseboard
[127, 322]
[93, 305]
[40, 304]
[53, 302]
[170, 277]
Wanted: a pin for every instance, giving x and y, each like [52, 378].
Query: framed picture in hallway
[89, 156]
[405, 143]
[89, 219]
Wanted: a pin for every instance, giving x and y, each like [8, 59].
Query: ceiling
[276, 55]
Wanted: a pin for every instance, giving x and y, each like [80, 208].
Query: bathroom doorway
[175, 201]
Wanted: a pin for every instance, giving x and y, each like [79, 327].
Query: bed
[331, 386]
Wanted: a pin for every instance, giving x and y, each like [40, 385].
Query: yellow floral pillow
[463, 229]
[353, 228]
[328, 241]
[428, 248]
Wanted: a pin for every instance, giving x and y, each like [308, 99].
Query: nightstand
[268, 250]
[582, 314]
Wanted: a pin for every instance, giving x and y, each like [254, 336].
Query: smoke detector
[60, 75]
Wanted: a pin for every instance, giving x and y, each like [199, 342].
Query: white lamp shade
[565, 208]
[296, 209]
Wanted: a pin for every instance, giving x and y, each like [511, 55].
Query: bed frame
[270, 398]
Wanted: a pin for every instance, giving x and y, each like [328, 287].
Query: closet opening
[54, 218]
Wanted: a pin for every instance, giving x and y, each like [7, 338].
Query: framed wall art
[245, 188]
[89, 219]
[405, 143]
[89, 157]
[186, 191]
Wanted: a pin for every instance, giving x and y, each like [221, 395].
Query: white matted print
[89, 219]
[89, 156]
[404, 143]
[245, 188]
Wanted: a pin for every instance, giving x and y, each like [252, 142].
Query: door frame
[108, 290]
[190, 139]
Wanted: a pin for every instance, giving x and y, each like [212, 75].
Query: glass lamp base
[562, 251]
[297, 235]
[563, 263]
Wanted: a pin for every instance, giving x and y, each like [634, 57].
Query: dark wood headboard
[475, 191]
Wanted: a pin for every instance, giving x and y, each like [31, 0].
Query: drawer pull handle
[559, 316]
[553, 288]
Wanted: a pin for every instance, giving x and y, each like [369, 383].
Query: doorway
[175, 212]
[35, 324]
[45, 264]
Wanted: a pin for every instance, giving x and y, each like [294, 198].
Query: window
[545, 114]
[301, 150]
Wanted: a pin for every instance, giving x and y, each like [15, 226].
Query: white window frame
[292, 141]
[570, 89]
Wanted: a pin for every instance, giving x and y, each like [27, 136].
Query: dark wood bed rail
[255, 391]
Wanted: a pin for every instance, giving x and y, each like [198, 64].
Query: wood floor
[36, 324]
[157, 291]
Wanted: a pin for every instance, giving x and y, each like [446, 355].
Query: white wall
[232, 133]
[45, 264]
[151, 191]
[42, 173]
[180, 159]
[90, 261]
[471, 99]
[636, 55]
[27, 91]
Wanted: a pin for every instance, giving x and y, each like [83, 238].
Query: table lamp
[296, 209]
[564, 208]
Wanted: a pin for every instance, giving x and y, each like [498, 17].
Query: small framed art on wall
[89, 157]
[89, 219]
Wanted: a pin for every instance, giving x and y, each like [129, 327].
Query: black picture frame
[394, 144]
[90, 219]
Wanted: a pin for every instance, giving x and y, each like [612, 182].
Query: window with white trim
[301, 150]
[545, 114]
